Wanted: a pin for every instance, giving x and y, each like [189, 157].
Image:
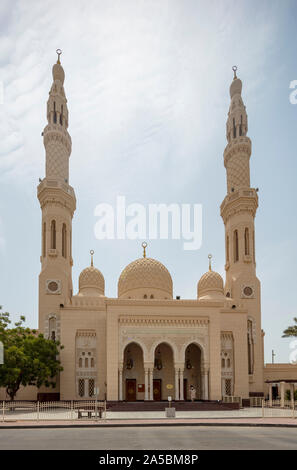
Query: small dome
[58, 73]
[211, 284]
[91, 282]
[145, 278]
[235, 87]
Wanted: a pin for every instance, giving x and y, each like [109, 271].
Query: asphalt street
[150, 438]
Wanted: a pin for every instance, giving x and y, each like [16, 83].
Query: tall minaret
[58, 203]
[238, 211]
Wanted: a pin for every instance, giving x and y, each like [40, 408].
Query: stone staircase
[178, 405]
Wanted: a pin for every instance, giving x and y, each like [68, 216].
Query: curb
[120, 425]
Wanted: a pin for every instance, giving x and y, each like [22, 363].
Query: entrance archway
[192, 371]
[163, 379]
[133, 373]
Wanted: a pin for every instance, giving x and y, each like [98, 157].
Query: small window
[80, 362]
[92, 362]
[145, 296]
[152, 296]
[86, 362]
[223, 363]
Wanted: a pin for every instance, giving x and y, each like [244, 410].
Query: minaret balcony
[240, 200]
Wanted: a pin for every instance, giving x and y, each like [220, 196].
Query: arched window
[234, 129]
[80, 362]
[151, 297]
[91, 387]
[240, 126]
[64, 241]
[81, 387]
[246, 242]
[44, 240]
[235, 245]
[228, 363]
[55, 113]
[227, 249]
[53, 234]
[52, 328]
[61, 116]
[145, 296]
[86, 362]
[92, 362]
[223, 363]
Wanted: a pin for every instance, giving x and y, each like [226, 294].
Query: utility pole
[273, 355]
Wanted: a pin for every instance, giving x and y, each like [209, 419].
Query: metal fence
[52, 411]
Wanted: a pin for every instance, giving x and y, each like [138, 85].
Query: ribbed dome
[91, 282]
[210, 284]
[143, 277]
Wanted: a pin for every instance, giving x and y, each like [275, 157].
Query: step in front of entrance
[178, 405]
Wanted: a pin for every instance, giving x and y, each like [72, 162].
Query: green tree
[291, 330]
[29, 358]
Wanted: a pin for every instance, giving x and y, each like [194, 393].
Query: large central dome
[145, 278]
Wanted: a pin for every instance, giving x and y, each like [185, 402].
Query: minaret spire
[57, 203]
[57, 141]
[239, 206]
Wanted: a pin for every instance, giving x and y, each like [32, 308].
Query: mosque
[145, 344]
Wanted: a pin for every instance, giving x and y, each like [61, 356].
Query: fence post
[38, 411]
[105, 410]
[262, 407]
[71, 410]
[3, 411]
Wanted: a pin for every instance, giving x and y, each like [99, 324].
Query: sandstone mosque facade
[145, 344]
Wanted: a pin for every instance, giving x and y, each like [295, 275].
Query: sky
[147, 84]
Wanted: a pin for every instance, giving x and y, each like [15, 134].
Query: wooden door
[130, 389]
[157, 387]
[185, 389]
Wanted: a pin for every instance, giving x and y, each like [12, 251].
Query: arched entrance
[133, 373]
[192, 372]
[163, 378]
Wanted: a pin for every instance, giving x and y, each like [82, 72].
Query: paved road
[196, 438]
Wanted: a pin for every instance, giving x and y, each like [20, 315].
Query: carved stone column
[120, 383]
[176, 384]
[151, 374]
[146, 383]
[181, 384]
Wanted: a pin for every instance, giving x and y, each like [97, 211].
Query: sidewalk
[264, 422]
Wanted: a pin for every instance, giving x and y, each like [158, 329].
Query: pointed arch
[64, 241]
[235, 246]
[53, 235]
[246, 241]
